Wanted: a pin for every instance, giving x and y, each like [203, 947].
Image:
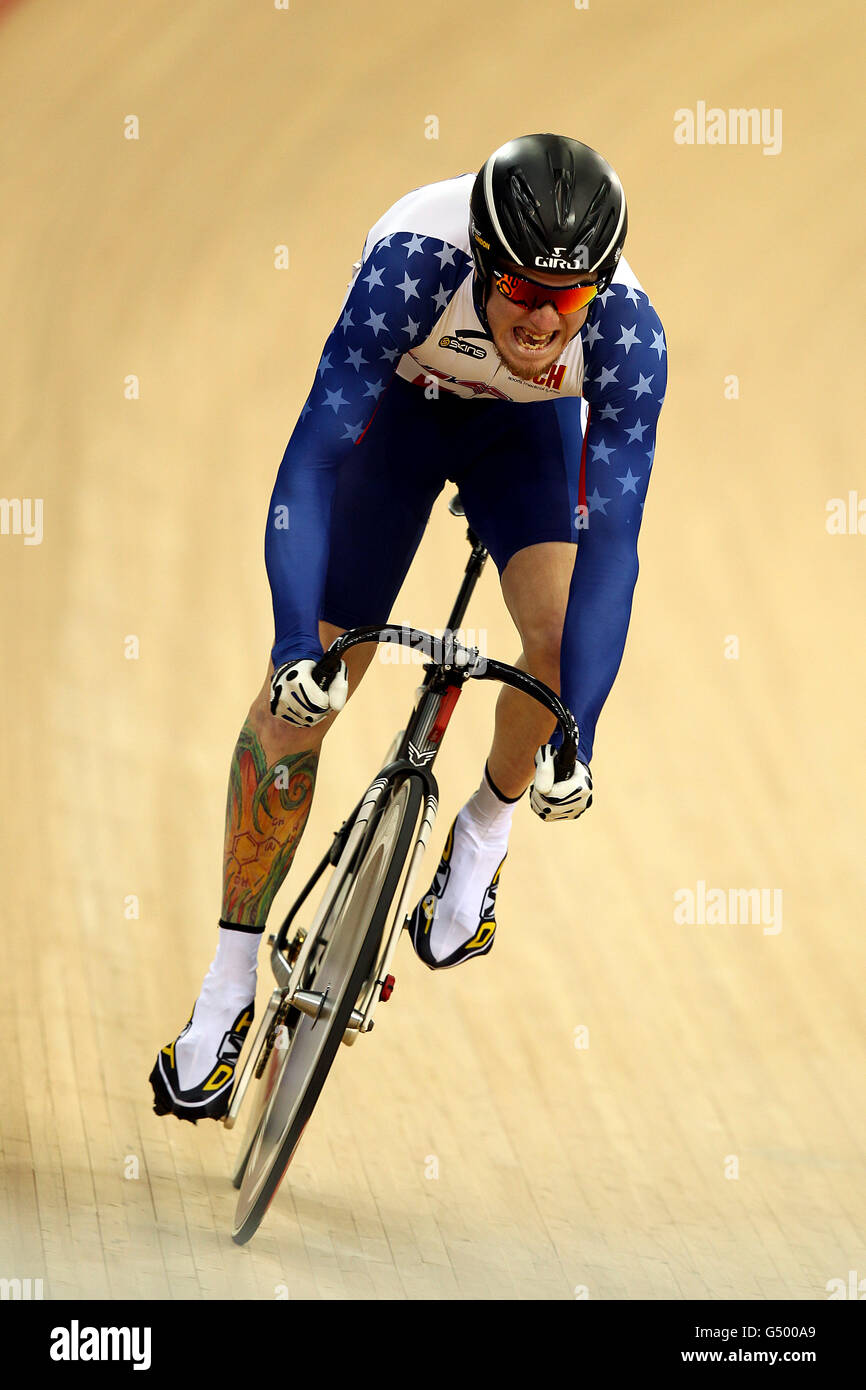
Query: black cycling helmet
[549, 203]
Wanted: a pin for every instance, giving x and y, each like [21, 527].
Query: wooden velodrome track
[708, 1142]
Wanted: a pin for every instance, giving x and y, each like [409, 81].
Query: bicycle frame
[444, 679]
[342, 854]
[414, 756]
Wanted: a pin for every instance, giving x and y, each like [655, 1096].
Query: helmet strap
[480, 291]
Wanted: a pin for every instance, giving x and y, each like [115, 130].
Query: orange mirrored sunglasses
[530, 294]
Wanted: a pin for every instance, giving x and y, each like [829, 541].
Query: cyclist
[492, 336]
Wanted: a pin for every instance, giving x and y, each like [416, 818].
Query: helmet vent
[523, 195]
[563, 193]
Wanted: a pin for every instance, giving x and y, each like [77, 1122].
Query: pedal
[387, 988]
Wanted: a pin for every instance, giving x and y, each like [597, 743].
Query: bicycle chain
[279, 1020]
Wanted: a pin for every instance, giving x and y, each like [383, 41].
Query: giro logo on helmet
[557, 261]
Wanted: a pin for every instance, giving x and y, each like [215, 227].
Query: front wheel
[350, 938]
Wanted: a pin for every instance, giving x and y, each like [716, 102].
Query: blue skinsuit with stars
[565, 458]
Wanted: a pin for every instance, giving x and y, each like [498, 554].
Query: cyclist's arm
[393, 304]
[626, 375]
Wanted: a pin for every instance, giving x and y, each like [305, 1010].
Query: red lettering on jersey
[555, 375]
[552, 378]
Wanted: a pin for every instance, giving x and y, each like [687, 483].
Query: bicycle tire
[293, 1017]
[357, 934]
[310, 963]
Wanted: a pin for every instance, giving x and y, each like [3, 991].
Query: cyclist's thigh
[521, 485]
[385, 490]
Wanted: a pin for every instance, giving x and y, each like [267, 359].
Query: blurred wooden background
[472, 1149]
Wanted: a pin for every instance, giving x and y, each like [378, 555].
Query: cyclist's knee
[277, 736]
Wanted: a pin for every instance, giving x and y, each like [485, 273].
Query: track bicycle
[331, 975]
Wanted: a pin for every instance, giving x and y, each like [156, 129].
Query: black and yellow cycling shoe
[420, 922]
[210, 1099]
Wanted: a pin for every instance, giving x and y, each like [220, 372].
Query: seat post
[474, 566]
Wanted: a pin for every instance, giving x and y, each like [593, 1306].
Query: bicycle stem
[444, 680]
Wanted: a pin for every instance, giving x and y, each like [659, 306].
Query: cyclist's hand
[296, 698]
[559, 800]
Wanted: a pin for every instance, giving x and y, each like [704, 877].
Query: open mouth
[533, 342]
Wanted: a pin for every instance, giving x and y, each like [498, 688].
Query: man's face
[530, 341]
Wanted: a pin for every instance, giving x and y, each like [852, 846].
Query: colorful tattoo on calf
[266, 812]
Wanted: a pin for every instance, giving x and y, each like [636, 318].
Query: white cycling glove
[564, 800]
[296, 698]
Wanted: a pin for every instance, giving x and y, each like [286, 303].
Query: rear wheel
[340, 963]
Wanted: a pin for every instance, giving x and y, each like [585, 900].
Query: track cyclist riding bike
[492, 336]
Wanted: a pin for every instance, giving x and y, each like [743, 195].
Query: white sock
[490, 813]
[480, 842]
[229, 986]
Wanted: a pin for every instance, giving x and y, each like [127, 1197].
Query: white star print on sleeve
[624, 386]
[394, 301]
